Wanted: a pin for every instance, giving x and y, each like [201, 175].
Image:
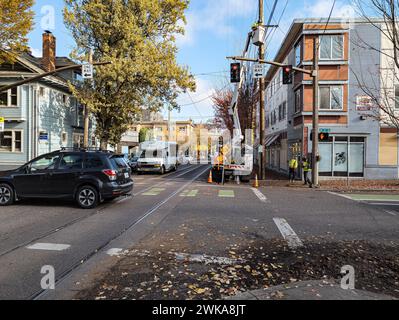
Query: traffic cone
[256, 183]
[210, 177]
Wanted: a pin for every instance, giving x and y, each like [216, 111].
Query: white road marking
[288, 233]
[115, 252]
[392, 213]
[260, 195]
[49, 246]
[203, 258]
[341, 195]
[383, 204]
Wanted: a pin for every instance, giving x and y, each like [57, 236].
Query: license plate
[126, 175]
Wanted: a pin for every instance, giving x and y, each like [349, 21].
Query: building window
[11, 141]
[282, 111]
[9, 98]
[64, 98]
[332, 47]
[397, 97]
[297, 101]
[78, 140]
[41, 91]
[64, 138]
[331, 98]
[298, 50]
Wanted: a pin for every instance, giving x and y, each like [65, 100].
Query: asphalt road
[178, 211]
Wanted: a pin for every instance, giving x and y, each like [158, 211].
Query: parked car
[187, 159]
[133, 163]
[88, 177]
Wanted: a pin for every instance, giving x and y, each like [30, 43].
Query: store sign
[1, 124]
[364, 103]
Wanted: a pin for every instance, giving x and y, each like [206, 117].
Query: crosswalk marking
[260, 195]
[226, 193]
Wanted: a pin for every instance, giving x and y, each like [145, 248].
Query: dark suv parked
[86, 176]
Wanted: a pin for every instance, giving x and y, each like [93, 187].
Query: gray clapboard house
[41, 116]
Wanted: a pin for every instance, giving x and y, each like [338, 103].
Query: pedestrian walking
[293, 166]
[306, 172]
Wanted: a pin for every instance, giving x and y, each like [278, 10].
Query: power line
[210, 96]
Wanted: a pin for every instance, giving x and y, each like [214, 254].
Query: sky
[214, 30]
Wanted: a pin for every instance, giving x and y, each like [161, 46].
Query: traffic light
[324, 136]
[235, 72]
[287, 74]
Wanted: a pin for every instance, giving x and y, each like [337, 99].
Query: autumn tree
[138, 37]
[222, 99]
[16, 21]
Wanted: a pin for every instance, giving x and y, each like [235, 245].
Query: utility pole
[86, 113]
[315, 137]
[262, 154]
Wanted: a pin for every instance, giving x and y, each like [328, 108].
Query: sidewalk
[309, 290]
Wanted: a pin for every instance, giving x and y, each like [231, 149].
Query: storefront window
[342, 154]
[341, 159]
[325, 165]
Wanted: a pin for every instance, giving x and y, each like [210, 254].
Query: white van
[157, 156]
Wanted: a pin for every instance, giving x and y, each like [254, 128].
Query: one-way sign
[258, 70]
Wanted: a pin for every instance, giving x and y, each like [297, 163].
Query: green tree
[144, 134]
[16, 20]
[138, 37]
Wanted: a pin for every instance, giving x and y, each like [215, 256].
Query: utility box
[258, 36]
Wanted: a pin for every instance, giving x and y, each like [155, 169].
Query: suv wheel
[87, 197]
[162, 170]
[6, 195]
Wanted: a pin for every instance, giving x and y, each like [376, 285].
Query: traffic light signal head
[287, 74]
[235, 72]
[324, 136]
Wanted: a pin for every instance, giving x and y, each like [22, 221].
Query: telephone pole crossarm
[277, 64]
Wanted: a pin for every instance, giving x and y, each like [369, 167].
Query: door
[30, 182]
[62, 181]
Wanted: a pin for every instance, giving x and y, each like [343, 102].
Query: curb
[310, 290]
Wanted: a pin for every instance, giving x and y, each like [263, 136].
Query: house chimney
[48, 60]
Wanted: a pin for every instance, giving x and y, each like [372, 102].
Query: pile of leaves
[159, 275]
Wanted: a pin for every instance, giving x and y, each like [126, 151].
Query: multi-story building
[40, 116]
[160, 129]
[360, 145]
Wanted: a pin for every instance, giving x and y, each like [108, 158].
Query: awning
[271, 139]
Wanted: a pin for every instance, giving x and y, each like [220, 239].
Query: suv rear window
[93, 162]
[119, 162]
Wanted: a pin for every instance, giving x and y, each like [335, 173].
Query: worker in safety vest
[293, 166]
[306, 172]
[217, 169]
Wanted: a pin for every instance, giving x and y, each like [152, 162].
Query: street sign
[1, 124]
[87, 71]
[258, 70]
